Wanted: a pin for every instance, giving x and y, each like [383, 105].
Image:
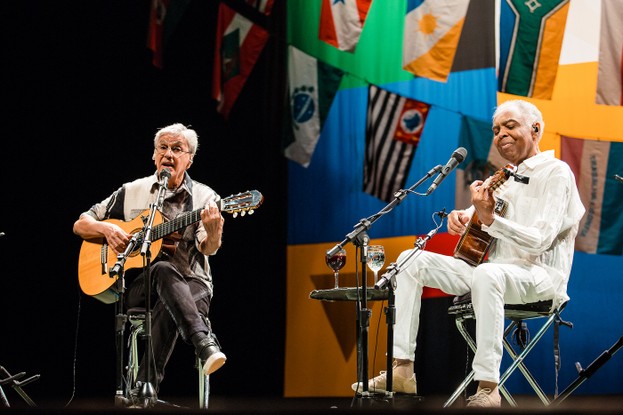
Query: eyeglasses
[177, 151]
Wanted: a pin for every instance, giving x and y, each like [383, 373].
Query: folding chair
[462, 309]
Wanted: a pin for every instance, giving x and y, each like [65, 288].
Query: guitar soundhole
[137, 248]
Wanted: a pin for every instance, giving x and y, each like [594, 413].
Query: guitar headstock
[241, 203]
[500, 177]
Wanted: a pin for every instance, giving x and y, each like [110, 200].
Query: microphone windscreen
[460, 154]
[165, 173]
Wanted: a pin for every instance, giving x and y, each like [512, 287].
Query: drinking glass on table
[336, 263]
[376, 259]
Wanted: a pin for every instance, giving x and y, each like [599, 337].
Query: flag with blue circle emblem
[312, 87]
[393, 129]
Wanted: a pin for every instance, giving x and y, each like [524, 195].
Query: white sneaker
[485, 398]
[214, 363]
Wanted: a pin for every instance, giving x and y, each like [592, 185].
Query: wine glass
[376, 259]
[336, 263]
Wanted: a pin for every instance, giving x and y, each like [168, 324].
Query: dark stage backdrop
[82, 102]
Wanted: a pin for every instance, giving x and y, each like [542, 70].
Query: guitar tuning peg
[243, 213]
[251, 211]
[234, 215]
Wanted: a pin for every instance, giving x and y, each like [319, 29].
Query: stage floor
[240, 405]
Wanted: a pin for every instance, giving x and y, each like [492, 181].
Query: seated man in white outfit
[530, 259]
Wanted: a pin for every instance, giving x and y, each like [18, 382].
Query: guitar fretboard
[182, 221]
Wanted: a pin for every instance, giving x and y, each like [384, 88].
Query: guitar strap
[521, 179]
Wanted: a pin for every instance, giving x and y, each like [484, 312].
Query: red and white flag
[239, 43]
[341, 22]
[155, 41]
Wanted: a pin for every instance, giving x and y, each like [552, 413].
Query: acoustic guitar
[97, 258]
[475, 242]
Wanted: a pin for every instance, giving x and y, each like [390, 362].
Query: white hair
[178, 129]
[531, 113]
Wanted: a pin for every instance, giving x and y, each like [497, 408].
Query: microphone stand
[358, 235]
[389, 279]
[147, 394]
[121, 318]
[361, 241]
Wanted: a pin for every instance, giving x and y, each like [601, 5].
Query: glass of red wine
[336, 263]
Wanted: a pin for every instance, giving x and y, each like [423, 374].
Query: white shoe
[379, 384]
[214, 363]
[485, 398]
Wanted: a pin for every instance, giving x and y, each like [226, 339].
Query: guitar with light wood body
[96, 258]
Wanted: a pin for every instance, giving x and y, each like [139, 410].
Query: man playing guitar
[181, 277]
[529, 261]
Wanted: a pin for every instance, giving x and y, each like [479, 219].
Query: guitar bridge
[104, 258]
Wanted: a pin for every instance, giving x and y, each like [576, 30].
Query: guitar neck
[241, 202]
[182, 221]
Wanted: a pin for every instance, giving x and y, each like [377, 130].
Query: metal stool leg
[133, 359]
[204, 386]
[460, 325]
[518, 358]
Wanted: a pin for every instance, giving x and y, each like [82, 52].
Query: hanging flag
[431, 35]
[531, 35]
[341, 22]
[476, 137]
[155, 43]
[312, 86]
[610, 73]
[239, 43]
[164, 17]
[393, 130]
[478, 29]
[595, 164]
[262, 6]
[482, 159]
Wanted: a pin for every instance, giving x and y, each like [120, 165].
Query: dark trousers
[178, 306]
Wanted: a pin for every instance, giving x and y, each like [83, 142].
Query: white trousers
[492, 285]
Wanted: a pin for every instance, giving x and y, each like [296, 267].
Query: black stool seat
[348, 294]
[462, 305]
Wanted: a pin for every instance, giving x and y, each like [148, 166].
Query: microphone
[457, 157]
[165, 175]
